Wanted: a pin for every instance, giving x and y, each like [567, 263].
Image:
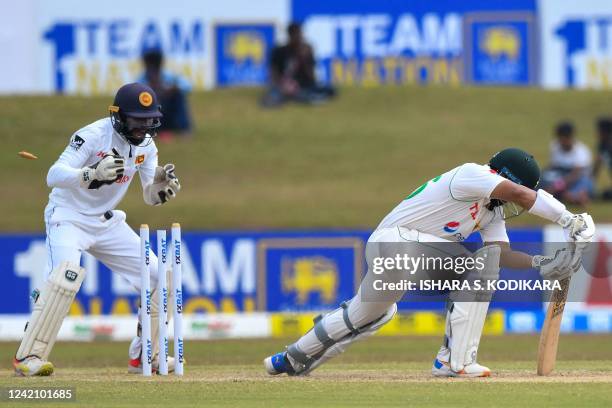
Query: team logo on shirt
[451, 227]
[76, 142]
[140, 158]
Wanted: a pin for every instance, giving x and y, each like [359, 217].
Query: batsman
[448, 208]
[88, 181]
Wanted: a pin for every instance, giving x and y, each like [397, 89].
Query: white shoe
[442, 369]
[135, 366]
[32, 366]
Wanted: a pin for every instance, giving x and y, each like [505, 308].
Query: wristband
[87, 176]
[548, 207]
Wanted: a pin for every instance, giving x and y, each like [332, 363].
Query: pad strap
[347, 321]
[299, 356]
[322, 334]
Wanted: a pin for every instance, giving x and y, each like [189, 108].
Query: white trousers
[110, 241]
[362, 312]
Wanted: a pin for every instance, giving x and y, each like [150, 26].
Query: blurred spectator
[172, 92]
[291, 73]
[604, 151]
[569, 174]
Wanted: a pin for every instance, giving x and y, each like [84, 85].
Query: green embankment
[341, 165]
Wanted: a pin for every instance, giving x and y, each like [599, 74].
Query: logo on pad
[71, 275]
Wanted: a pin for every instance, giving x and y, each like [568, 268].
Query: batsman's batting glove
[564, 263]
[577, 227]
[165, 186]
[107, 171]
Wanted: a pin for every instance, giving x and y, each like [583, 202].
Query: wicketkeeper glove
[107, 171]
[165, 186]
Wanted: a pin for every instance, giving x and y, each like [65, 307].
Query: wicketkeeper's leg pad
[50, 308]
[467, 311]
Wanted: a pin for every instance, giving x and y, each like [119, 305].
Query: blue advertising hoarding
[396, 42]
[231, 272]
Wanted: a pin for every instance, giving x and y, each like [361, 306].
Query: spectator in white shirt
[569, 174]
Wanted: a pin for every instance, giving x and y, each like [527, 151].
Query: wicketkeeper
[446, 209]
[89, 180]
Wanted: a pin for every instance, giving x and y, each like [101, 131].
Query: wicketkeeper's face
[139, 127]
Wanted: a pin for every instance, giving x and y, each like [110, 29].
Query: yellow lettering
[390, 65]
[343, 73]
[228, 305]
[248, 305]
[114, 78]
[439, 74]
[95, 306]
[456, 72]
[134, 68]
[87, 78]
[199, 305]
[192, 72]
[408, 73]
[597, 74]
[76, 309]
[370, 76]
[422, 69]
[121, 306]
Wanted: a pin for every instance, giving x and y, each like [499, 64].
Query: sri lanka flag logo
[451, 227]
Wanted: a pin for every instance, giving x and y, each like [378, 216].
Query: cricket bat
[549, 339]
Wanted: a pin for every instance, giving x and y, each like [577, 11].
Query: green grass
[377, 372]
[345, 164]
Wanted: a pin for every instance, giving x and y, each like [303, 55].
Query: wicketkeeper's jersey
[452, 206]
[87, 146]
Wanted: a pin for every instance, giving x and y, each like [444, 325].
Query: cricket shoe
[278, 364]
[442, 369]
[32, 366]
[135, 366]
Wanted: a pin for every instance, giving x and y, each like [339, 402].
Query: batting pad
[468, 312]
[50, 309]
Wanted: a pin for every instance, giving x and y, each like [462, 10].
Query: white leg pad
[50, 308]
[465, 319]
[343, 344]
[304, 362]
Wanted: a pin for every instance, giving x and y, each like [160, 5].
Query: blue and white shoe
[278, 364]
[442, 369]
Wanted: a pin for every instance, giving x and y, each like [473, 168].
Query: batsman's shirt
[452, 206]
[87, 146]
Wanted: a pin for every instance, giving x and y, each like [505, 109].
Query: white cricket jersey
[452, 206]
[86, 147]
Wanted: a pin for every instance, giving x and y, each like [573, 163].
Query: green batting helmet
[516, 165]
